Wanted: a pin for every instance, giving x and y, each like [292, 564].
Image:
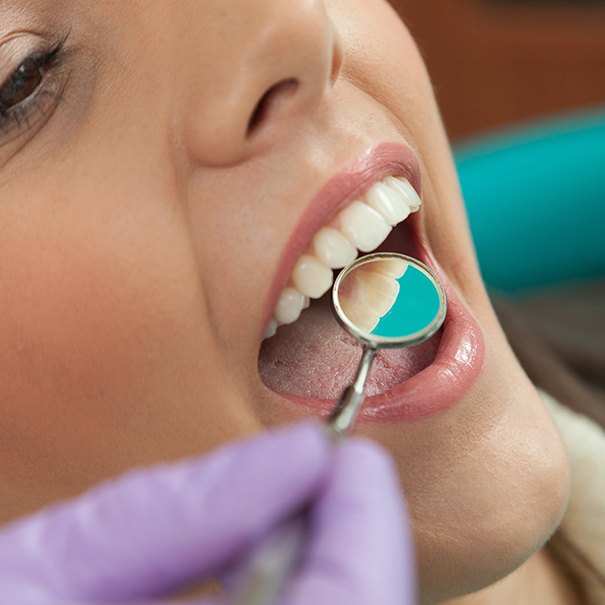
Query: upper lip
[352, 182]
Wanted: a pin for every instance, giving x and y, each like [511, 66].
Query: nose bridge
[274, 55]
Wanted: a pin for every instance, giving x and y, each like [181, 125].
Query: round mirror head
[389, 300]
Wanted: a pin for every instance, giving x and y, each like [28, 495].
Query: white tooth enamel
[379, 291]
[388, 202]
[404, 187]
[271, 328]
[311, 276]
[289, 306]
[333, 248]
[368, 296]
[307, 302]
[393, 267]
[363, 226]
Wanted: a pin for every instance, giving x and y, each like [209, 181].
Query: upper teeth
[363, 225]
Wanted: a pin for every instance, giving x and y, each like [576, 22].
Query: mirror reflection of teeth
[368, 293]
[363, 225]
[391, 267]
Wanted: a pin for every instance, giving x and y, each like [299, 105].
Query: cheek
[383, 58]
[106, 352]
[90, 291]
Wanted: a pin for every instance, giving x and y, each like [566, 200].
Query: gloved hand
[153, 531]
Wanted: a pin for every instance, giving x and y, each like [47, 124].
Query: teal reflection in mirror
[389, 300]
[416, 306]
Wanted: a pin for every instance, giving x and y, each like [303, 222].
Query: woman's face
[152, 210]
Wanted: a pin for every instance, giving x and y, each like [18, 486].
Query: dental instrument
[384, 300]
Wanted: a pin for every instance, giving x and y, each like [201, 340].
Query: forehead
[100, 18]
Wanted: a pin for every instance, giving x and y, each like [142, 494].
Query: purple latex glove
[156, 530]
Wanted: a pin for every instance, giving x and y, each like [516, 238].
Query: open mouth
[359, 228]
[308, 359]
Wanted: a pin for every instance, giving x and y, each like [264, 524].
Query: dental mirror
[384, 300]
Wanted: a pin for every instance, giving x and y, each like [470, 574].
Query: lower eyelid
[27, 118]
[55, 111]
[17, 137]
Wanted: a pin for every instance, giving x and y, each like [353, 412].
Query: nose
[262, 65]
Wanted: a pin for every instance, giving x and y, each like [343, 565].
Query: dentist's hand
[154, 531]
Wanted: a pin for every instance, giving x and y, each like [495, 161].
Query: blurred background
[521, 87]
[498, 62]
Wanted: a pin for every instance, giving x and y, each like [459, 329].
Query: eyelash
[45, 96]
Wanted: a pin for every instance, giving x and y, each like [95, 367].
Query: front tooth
[388, 202]
[333, 248]
[404, 186]
[363, 226]
[289, 306]
[311, 276]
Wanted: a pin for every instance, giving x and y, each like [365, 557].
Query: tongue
[315, 357]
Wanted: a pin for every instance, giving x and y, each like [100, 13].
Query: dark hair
[558, 336]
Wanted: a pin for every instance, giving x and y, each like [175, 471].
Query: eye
[22, 84]
[30, 94]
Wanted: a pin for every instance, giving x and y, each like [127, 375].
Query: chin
[483, 469]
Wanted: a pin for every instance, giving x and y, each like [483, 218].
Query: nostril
[269, 102]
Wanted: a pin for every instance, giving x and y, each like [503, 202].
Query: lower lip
[439, 386]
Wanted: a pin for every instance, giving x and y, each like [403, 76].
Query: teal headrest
[536, 202]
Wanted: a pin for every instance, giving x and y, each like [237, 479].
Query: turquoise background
[536, 201]
[415, 308]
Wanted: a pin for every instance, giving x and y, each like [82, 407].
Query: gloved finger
[360, 549]
[154, 530]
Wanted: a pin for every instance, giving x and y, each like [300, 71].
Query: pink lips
[383, 160]
[439, 386]
[456, 366]
[461, 352]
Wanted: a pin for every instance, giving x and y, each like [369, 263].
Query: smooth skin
[157, 530]
[143, 220]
